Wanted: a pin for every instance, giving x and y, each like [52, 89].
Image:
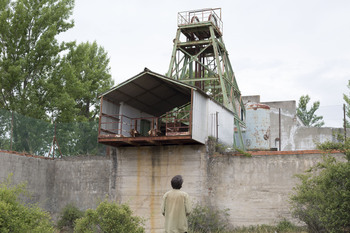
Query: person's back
[176, 207]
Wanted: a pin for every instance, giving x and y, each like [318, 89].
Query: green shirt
[176, 207]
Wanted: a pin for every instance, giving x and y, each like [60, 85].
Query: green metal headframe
[201, 59]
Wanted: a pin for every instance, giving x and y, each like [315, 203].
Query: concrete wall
[144, 176]
[55, 183]
[255, 189]
[38, 173]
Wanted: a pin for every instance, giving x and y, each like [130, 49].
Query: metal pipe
[11, 131]
[217, 126]
[53, 144]
[344, 123]
[100, 118]
[279, 128]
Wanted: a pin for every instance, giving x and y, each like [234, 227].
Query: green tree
[347, 105]
[322, 199]
[109, 217]
[16, 216]
[82, 75]
[39, 82]
[308, 117]
[78, 80]
[29, 51]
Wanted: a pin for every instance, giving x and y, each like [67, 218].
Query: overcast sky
[279, 49]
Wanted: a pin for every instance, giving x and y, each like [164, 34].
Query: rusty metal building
[152, 109]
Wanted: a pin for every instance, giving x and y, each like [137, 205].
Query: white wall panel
[200, 117]
[225, 123]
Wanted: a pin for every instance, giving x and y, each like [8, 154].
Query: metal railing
[212, 15]
[171, 124]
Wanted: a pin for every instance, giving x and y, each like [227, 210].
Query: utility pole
[344, 122]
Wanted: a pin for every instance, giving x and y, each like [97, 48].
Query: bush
[109, 217]
[283, 226]
[67, 218]
[286, 226]
[16, 216]
[207, 219]
[322, 200]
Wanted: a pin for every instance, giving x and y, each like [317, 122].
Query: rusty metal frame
[205, 50]
[173, 126]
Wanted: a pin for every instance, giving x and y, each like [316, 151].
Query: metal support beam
[202, 60]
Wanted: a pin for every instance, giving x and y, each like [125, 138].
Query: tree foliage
[308, 117]
[109, 217]
[207, 219]
[16, 216]
[322, 199]
[81, 76]
[41, 78]
[68, 216]
[29, 51]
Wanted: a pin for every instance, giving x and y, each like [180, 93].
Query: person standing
[176, 207]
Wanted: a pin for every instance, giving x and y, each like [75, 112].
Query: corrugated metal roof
[150, 92]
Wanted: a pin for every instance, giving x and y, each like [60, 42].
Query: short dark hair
[176, 182]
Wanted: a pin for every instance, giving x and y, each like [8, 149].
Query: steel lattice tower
[201, 59]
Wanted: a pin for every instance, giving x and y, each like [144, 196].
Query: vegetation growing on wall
[216, 147]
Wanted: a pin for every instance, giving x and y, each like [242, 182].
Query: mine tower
[200, 58]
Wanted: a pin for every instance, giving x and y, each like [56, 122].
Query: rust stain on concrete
[156, 164]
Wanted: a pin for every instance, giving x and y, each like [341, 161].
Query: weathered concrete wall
[144, 176]
[255, 189]
[54, 183]
[81, 180]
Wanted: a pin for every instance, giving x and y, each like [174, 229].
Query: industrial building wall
[211, 119]
[200, 117]
[255, 189]
[294, 135]
[131, 112]
[110, 124]
[225, 119]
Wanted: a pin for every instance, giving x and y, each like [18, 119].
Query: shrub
[109, 217]
[322, 199]
[16, 216]
[283, 226]
[67, 218]
[207, 219]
